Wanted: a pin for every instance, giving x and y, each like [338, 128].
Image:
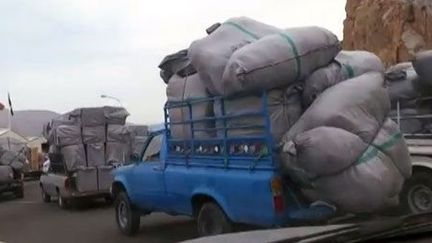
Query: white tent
[11, 139]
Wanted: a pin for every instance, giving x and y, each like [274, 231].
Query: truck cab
[218, 181]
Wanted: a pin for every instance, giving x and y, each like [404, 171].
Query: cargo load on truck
[327, 110]
[410, 90]
[91, 141]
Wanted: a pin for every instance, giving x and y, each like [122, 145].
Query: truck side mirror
[134, 157]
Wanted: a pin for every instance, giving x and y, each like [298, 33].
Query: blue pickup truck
[219, 181]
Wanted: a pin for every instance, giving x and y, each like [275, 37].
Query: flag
[10, 105]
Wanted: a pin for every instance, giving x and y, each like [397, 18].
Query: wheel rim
[420, 198]
[60, 201]
[210, 227]
[122, 214]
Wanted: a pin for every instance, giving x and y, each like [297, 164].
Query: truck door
[148, 178]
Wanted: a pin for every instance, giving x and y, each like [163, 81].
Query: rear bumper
[91, 194]
[11, 186]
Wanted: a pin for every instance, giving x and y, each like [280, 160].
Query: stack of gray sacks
[409, 83]
[91, 141]
[11, 163]
[328, 108]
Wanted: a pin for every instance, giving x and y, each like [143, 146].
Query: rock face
[393, 29]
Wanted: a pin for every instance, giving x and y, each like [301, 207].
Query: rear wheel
[45, 197]
[212, 220]
[127, 218]
[19, 192]
[416, 197]
[62, 202]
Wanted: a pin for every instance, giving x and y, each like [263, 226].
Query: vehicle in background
[14, 184]
[66, 188]
[202, 179]
[416, 196]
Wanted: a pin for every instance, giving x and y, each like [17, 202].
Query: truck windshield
[153, 149]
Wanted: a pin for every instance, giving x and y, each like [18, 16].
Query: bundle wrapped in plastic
[210, 54]
[422, 65]
[180, 89]
[177, 63]
[403, 82]
[279, 60]
[283, 105]
[346, 65]
[344, 151]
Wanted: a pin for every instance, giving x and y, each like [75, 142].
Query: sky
[61, 54]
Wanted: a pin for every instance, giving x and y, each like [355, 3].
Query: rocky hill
[393, 29]
[27, 122]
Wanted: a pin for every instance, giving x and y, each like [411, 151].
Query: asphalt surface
[31, 220]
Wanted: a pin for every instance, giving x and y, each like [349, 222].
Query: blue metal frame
[223, 157]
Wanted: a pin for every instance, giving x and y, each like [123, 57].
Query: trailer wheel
[212, 220]
[416, 196]
[127, 218]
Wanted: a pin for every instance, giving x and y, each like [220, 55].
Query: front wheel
[212, 220]
[416, 196]
[127, 218]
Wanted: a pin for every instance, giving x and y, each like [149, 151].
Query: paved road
[30, 220]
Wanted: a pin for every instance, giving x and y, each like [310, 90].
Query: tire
[19, 192]
[62, 202]
[416, 196]
[127, 218]
[109, 199]
[212, 220]
[45, 197]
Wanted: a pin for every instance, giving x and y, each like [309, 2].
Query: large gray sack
[347, 64]
[68, 135]
[366, 187]
[6, 174]
[74, 156]
[391, 142]
[358, 105]
[422, 64]
[180, 89]
[210, 54]
[13, 159]
[279, 60]
[283, 105]
[403, 82]
[325, 151]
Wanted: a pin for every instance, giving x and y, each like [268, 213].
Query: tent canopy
[13, 136]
